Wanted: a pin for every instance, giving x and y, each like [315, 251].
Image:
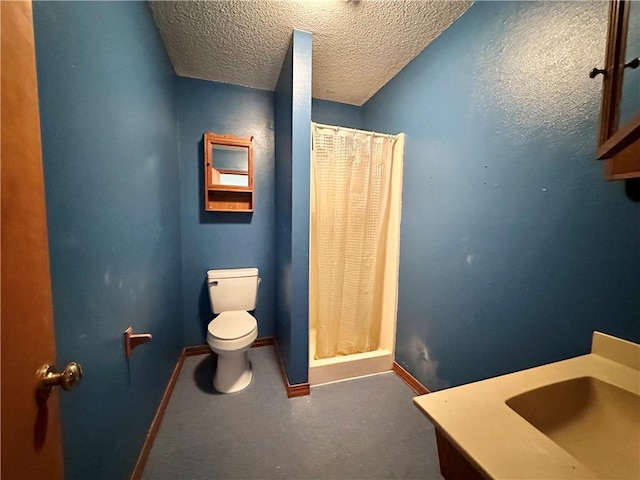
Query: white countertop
[502, 444]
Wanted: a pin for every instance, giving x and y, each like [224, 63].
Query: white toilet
[230, 334]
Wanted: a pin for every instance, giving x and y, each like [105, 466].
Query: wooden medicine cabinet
[228, 173]
[619, 136]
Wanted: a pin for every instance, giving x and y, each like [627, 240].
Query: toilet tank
[233, 289]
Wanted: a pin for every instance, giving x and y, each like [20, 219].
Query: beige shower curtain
[350, 192]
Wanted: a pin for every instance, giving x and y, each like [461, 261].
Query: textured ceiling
[358, 46]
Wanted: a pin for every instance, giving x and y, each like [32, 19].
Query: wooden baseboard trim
[157, 419]
[264, 342]
[193, 350]
[409, 379]
[296, 390]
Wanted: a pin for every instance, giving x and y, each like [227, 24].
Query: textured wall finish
[283, 202]
[301, 163]
[358, 45]
[225, 239]
[332, 113]
[513, 247]
[293, 150]
[110, 150]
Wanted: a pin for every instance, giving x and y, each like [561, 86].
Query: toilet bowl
[233, 293]
[230, 335]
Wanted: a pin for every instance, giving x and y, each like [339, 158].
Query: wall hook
[132, 340]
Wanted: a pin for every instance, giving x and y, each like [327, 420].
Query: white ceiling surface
[358, 45]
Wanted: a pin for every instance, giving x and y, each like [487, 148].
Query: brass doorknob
[68, 379]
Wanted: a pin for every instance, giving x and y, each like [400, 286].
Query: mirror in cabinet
[630, 89]
[619, 136]
[228, 173]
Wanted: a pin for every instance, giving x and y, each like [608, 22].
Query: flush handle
[68, 378]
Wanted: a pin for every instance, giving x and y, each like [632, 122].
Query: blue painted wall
[513, 247]
[334, 113]
[301, 162]
[293, 149]
[213, 240]
[283, 97]
[109, 132]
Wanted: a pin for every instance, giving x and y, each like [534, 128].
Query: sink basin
[569, 412]
[575, 419]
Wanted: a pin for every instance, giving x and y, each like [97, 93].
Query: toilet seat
[232, 325]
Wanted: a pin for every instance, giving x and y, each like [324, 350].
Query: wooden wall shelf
[228, 173]
[229, 201]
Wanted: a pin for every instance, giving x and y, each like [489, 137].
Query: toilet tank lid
[232, 273]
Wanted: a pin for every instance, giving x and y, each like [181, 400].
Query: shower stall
[356, 191]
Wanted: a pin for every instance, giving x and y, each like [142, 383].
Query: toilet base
[233, 372]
